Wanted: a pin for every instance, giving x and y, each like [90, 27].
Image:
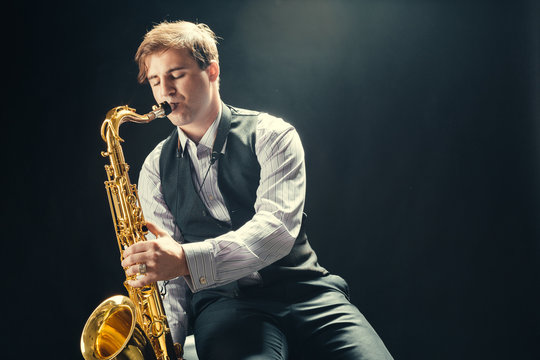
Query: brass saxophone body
[133, 327]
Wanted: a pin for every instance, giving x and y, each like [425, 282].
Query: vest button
[204, 213]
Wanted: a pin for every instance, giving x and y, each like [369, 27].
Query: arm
[271, 233]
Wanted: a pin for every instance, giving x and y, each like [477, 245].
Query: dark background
[420, 122]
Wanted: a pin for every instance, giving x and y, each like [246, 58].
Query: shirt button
[210, 197]
[202, 280]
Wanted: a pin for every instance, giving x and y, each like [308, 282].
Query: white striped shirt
[235, 255]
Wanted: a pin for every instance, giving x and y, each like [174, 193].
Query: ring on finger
[142, 269]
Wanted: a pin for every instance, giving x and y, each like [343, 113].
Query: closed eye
[153, 80]
[177, 75]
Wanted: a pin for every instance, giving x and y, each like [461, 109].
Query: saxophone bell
[111, 332]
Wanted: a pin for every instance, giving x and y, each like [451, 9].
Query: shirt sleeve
[271, 233]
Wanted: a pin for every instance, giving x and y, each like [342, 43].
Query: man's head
[180, 62]
[198, 39]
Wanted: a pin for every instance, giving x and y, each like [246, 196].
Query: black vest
[238, 179]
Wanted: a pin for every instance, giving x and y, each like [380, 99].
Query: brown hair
[198, 39]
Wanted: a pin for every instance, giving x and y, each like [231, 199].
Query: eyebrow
[168, 72]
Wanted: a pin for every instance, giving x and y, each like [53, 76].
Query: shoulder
[264, 123]
[269, 125]
[150, 166]
[236, 111]
[154, 155]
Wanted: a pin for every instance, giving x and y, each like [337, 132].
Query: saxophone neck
[121, 114]
[158, 111]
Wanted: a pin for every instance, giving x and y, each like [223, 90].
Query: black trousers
[298, 320]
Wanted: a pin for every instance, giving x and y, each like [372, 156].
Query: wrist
[200, 264]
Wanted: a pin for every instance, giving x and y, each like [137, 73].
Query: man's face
[175, 77]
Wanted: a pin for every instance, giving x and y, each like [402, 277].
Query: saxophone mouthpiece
[162, 110]
[166, 107]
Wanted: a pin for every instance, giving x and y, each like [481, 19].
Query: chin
[179, 120]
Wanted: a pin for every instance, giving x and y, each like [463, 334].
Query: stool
[189, 349]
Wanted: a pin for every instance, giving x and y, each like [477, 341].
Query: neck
[195, 131]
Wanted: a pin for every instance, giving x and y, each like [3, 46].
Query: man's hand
[164, 258]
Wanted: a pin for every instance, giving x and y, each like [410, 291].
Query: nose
[167, 88]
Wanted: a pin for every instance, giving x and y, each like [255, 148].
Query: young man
[224, 197]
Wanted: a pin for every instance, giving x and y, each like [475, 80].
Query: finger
[134, 269]
[135, 248]
[130, 271]
[140, 282]
[156, 230]
[138, 258]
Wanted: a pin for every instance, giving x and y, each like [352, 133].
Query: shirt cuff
[200, 262]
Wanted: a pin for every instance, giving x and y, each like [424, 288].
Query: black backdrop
[420, 125]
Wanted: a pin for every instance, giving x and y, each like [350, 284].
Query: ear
[213, 71]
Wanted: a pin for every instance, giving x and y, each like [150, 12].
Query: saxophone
[122, 327]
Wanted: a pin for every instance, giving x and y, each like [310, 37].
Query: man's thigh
[329, 326]
[232, 329]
